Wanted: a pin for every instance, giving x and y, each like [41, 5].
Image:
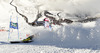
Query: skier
[47, 23]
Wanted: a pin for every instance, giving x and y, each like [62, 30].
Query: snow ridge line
[57, 22]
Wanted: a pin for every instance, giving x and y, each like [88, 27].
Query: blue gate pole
[9, 29]
[18, 28]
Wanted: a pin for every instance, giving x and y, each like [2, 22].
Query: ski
[12, 42]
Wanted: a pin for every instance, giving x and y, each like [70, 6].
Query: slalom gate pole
[9, 29]
[18, 28]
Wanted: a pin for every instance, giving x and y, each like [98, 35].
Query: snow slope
[70, 38]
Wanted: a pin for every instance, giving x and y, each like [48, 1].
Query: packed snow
[70, 38]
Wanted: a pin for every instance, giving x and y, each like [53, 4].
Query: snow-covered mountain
[70, 38]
